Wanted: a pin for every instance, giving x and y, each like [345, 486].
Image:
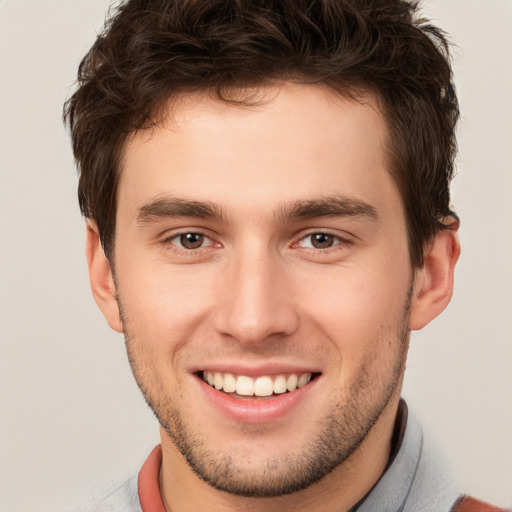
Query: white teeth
[303, 379]
[291, 382]
[244, 385]
[263, 386]
[229, 383]
[280, 385]
[218, 381]
[260, 386]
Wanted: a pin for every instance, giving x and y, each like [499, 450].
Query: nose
[256, 301]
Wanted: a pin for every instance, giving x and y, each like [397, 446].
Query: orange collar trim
[149, 482]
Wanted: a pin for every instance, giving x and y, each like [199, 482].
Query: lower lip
[256, 411]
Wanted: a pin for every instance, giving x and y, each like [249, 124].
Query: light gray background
[70, 413]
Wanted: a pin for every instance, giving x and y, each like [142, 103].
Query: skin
[256, 293]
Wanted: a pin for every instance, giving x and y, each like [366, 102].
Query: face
[264, 283]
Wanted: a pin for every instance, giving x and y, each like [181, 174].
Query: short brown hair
[150, 51]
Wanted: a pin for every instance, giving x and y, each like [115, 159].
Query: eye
[319, 241]
[191, 241]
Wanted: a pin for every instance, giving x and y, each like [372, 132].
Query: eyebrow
[332, 206]
[168, 207]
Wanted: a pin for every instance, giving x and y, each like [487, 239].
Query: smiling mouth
[244, 387]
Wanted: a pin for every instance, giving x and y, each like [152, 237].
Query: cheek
[359, 311]
[163, 307]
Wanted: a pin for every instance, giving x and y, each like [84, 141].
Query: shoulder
[118, 496]
[467, 504]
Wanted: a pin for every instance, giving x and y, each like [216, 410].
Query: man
[266, 188]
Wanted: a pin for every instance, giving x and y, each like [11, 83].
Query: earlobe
[433, 285]
[101, 278]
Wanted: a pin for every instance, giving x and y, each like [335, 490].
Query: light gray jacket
[416, 481]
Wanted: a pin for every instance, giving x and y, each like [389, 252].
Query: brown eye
[322, 240]
[191, 240]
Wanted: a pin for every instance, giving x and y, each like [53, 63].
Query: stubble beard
[338, 434]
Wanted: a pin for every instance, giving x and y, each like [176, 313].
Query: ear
[101, 278]
[433, 284]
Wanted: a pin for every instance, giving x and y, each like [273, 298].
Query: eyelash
[337, 240]
[177, 242]
[177, 237]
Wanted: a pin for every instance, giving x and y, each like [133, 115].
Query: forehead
[292, 142]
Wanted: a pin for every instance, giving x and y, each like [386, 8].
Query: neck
[183, 491]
